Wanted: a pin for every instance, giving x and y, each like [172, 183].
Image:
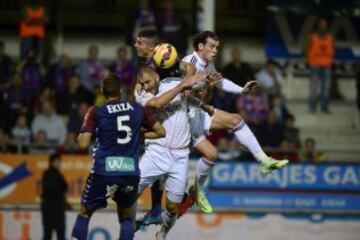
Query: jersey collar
[201, 62]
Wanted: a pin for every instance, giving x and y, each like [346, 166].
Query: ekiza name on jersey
[119, 107]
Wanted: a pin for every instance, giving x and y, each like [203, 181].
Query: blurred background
[53, 55]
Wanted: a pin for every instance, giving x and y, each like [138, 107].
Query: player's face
[144, 47]
[149, 83]
[209, 50]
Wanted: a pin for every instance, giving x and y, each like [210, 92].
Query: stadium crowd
[42, 105]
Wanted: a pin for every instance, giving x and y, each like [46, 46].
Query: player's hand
[137, 88]
[189, 81]
[214, 78]
[251, 87]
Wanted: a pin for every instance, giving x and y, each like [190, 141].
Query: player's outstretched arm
[229, 86]
[158, 131]
[187, 68]
[163, 99]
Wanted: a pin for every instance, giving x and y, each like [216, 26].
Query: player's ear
[201, 46]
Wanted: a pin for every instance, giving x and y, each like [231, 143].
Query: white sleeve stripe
[193, 60]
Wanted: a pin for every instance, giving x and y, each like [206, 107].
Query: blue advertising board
[314, 187]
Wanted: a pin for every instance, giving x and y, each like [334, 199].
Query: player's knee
[84, 212]
[235, 120]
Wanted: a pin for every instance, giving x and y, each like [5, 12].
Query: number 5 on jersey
[123, 127]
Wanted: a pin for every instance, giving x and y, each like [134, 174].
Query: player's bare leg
[169, 217]
[225, 120]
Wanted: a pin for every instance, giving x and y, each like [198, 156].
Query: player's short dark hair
[111, 85]
[152, 35]
[203, 37]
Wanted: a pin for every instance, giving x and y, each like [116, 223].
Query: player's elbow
[153, 103]
[162, 132]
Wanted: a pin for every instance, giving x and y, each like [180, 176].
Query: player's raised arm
[154, 127]
[187, 68]
[229, 86]
[87, 128]
[149, 82]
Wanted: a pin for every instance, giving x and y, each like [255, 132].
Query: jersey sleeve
[228, 86]
[149, 119]
[89, 121]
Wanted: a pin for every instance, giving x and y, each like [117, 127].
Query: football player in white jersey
[166, 157]
[206, 46]
[145, 45]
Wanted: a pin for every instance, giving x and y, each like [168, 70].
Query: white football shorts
[160, 162]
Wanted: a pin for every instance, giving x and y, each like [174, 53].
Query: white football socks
[246, 137]
[202, 171]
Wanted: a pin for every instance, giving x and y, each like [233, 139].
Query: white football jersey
[173, 116]
[201, 65]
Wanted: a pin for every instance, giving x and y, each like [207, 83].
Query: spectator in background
[15, 95]
[60, 74]
[287, 150]
[5, 65]
[34, 16]
[291, 133]
[270, 78]
[76, 118]
[223, 100]
[238, 71]
[51, 123]
[279, 108]
[13, 101]
[41, 144]
[319, 52]
[309, 153]
[271, 132]
[126, 72]
[53, 200]
[47, 94]
[21, 132]
[4, 108]
[254, 108]
[70, 98]
[91, 71]
[32, 73]
[174, 27]
[4, 142]
[141, 18]
[70, 146]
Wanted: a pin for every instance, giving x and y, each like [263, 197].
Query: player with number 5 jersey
[115, 173]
